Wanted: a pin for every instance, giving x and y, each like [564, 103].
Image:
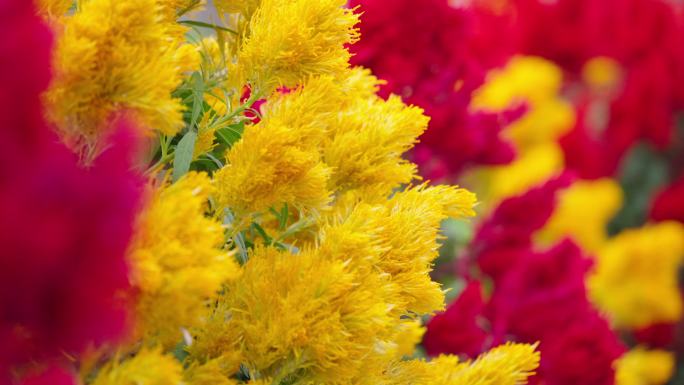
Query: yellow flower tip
[509, 364]
[650, 256]
[148, 366]
[645, 367]
[291, 41]
[114, 55]
[602, 73]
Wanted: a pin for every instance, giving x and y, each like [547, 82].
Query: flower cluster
[269, 230]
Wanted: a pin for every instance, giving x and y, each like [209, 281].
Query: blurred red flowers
[65, 227]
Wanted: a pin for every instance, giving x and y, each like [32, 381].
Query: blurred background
[565, 117]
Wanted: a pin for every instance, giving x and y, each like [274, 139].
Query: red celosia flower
[582, 353]
[668, 204]
[458, 329]
[538, 296]
[64, 228]
[429, 55]
[505, 237]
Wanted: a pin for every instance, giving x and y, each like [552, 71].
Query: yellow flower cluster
[291, 40]
[635, 278]
[335, 241]
[177, 260]
[113, 56]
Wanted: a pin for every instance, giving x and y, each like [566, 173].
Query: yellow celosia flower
[211, 373]
[602, 73]
[274, 164]
[645, 367]
[365, 147]
[301, 314]
[177, 261]
[537, 83]
[571, 218]
[398, 237]
[535, 166]
[510, 364]
[149, 367]
[289, 41]
[635, 278]
[114, 55]
[409, 334]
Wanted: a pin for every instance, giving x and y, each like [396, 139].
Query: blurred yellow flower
[635, 278]
[645, 367]
[149, 367]
[583, 212]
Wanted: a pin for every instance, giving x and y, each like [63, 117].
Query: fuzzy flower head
[571, 218]
[366, 144]
[635, 279]
[114, 55]
[510, 364]
[177, 259]
[292, 40]
[150, 367]
[302, 315]
[645, 367]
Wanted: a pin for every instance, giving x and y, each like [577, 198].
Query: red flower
[64, 228]
[668, 204]
[506, 236]
[458, 329]
[430, 55]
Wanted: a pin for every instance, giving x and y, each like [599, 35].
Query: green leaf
[202, 24]
[231, 134]
[642, 172]
[183, 155]
[197, 97]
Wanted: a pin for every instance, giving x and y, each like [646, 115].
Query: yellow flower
[645, 367]
[114, 55]
[289, 41]
[409, 334]
[510, 364]
[635, 278]
[536, 82]
[366, 145]
[211, 373]
[572, 218]
[398, 237]
[177, 260]
[273, 164]
[496, 183]
[602, 73]
[149, 367]
[301, 314]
